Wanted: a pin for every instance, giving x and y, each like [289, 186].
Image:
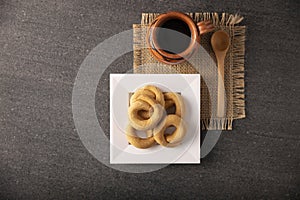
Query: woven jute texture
[144, 62]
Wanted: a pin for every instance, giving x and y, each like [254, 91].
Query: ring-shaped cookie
[139, 92]
[138, 122]
[178, 101]
[136, 141]
[145, 114]
[169, 103]
[176, 137]
[159, 96]
[146, 111]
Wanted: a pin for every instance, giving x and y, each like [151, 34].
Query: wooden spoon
[220, 42]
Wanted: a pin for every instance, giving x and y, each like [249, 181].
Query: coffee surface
[174, 36]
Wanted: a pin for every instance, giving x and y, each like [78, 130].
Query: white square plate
[121, 85]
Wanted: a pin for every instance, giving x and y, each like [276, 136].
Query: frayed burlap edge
[238, 73]
[225, 20]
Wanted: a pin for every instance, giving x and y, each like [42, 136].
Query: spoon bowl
[220, 41]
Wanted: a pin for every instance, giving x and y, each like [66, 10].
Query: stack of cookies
[148, 112]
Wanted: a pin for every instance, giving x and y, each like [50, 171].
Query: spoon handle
[221, 88]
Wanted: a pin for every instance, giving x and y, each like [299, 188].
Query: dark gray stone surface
[41, 156]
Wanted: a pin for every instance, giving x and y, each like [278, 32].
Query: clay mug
[173, 37]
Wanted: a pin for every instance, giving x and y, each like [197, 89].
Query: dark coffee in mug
[174, 36]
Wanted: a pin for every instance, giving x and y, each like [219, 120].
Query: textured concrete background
[41, 156]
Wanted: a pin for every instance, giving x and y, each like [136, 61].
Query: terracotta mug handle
[205, 27]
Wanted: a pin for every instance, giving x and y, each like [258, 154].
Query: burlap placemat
[233, 69]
